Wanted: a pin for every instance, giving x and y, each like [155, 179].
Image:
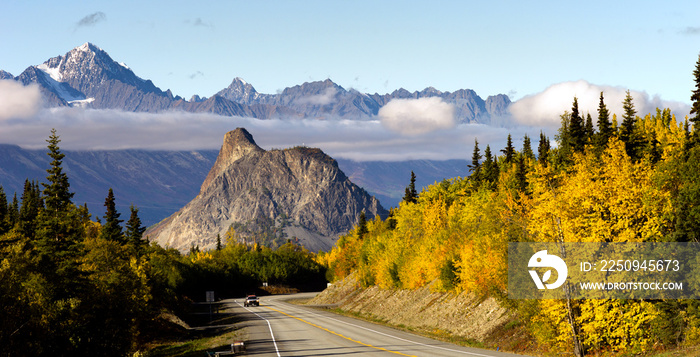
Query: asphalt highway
[277, 328]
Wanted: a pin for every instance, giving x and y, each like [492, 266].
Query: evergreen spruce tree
[31, 205]
[218, 242]
[4, 223]
[134, 229]
[362, 229]
[521, 174]
[604, 125]
[112, 230]
[475, 167]
[577, 131]
[627, 133]
[411, 195]
[543, 149]
[589, 128]
[563, 139]
[695, 98]
[13, 212]
[57, 195]
[490, 168]
[527, 148]
[509, 150]
[59, 232]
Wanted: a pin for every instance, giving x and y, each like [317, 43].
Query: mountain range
[87, 76]
[162, 183]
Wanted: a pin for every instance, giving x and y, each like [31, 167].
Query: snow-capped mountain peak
[87, 76]
[88, 47]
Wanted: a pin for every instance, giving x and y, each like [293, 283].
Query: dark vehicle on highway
[251, 300]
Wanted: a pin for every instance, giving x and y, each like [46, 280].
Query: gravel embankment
[457, 314]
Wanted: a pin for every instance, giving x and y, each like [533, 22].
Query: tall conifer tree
[627, 133]
[543, 149]
[362, 229]
[57, 195]
[134, 229]
[13, 212]
[589, 128]
[31, 204]
[411, 195]
[218, 242]
[112, 230]
[527, 148]
[695, 97]
[577, 131]
[490, 168]
[563, 138]
[59, 232]
[475, 167]
[509, 151]
[521, 174]
[4, 225]
[604, 125]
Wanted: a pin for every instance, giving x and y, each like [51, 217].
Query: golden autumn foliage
[456, 234]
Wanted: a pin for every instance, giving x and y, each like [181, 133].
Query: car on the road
[251, 300]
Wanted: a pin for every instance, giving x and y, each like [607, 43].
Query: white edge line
[268, 325]
[396, 337]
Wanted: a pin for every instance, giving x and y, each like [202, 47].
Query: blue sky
[512, 47]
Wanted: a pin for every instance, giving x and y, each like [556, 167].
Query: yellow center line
[339, 335]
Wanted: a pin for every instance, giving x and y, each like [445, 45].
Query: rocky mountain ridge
[298, 193]
[88, 77]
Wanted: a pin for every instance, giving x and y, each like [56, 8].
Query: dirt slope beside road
[461, 315]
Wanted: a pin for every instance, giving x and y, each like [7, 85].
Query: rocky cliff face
[275, 195]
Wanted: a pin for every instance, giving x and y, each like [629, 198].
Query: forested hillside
[621, 179]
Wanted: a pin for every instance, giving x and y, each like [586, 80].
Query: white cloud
[90, 129]
[325, 98]
[544, 108]
[18, 101]
[417, 116]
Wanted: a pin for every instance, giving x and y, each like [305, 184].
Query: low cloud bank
[90, 129]
[545, 108]
[18, 101]
[417, 116]
[325, 98]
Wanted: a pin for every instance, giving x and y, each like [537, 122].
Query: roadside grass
[185, 342]
[197, 346]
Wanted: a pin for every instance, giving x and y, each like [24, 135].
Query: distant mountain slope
[387, 180]
[293, 192]
[162, 182]
[157, 182]
[87, 76]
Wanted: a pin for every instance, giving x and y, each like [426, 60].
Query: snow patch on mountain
[81, 103]
[54, 73]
